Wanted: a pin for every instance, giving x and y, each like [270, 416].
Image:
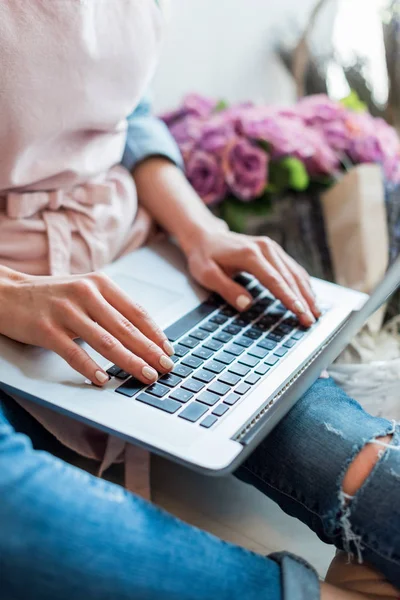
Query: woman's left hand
[214, 258]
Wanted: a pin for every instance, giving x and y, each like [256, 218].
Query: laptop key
[213, 345]
[170, 380]
[208, 398]
[257, 290]
[258, 352]
[122, 375]
[219, 319]
[113, 371]
[182, 371]
[219, 388]
[262, 369]
[297, 335]
[242, 389]
[239, 369]
[232, 329]
[271, 360]
[214, 366]
[281, 352]
[244, 341]
[208, 326]
[275, 337]
[223, 337]
[229, 378]
[181, 351]
[189, 342]
[181, 395]
[225, 358]
[214, 299]
[209, 422]
[178, 329]
[199, 334]
[253, 378]
[130, 387]
[253, 333]
[175, 359]
[202, 353]
[229, 311]
[267, 344]
[204, 376]
[220, 410]
[169, 406]
[239, 322]
[193, 412]
[290, 343]
[249, 361]
[192, 385]
[192, 362]
[158, 390]
[231, 399]
[235, 349]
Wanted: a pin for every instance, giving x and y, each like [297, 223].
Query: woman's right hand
[52, 312]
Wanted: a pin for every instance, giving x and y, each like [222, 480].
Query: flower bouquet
[285, 172]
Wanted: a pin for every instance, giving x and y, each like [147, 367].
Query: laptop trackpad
[154, 298]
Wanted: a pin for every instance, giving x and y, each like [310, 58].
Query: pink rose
[206, 176]
[246, 169]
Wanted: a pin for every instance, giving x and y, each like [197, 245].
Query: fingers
[133, 312]
[276, 256]
[130, 336]
[304, 283]
[111, 348]
[256, 263]
[78, 359]
[211, 276]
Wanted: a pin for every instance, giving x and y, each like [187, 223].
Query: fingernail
[169, 349]
[150, 373]
[299, 307]
[243, 302]
[102, 377]
[166, 362]
[311, 318]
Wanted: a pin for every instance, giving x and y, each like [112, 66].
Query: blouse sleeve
[148, 136]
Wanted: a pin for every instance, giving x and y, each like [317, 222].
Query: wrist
[195, 234]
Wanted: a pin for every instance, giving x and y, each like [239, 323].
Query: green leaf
[236, 212]
[299, 179]
[221, 105]
[353, 102]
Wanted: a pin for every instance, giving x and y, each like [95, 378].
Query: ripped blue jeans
[65, 534]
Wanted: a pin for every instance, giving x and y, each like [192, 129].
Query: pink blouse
[72, 71]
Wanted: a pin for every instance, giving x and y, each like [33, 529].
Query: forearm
[167, 195]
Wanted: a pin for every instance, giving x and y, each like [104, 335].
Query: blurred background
[231, 48]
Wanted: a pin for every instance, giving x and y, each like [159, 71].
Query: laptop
[235, 377]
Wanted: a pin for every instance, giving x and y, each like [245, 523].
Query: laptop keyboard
[220, 355]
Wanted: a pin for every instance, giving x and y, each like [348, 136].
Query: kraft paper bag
[356, 228]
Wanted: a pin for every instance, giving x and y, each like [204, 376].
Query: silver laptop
[235, 377]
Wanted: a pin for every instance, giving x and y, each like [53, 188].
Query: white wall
[225, 48]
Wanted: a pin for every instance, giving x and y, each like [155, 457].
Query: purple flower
[216, 134]
[319, 109]
[199, 106]
[246, 169]
[323, 161]
[205, 173]
[193, 105]
[186, 132]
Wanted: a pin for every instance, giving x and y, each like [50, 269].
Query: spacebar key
[175, 331]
